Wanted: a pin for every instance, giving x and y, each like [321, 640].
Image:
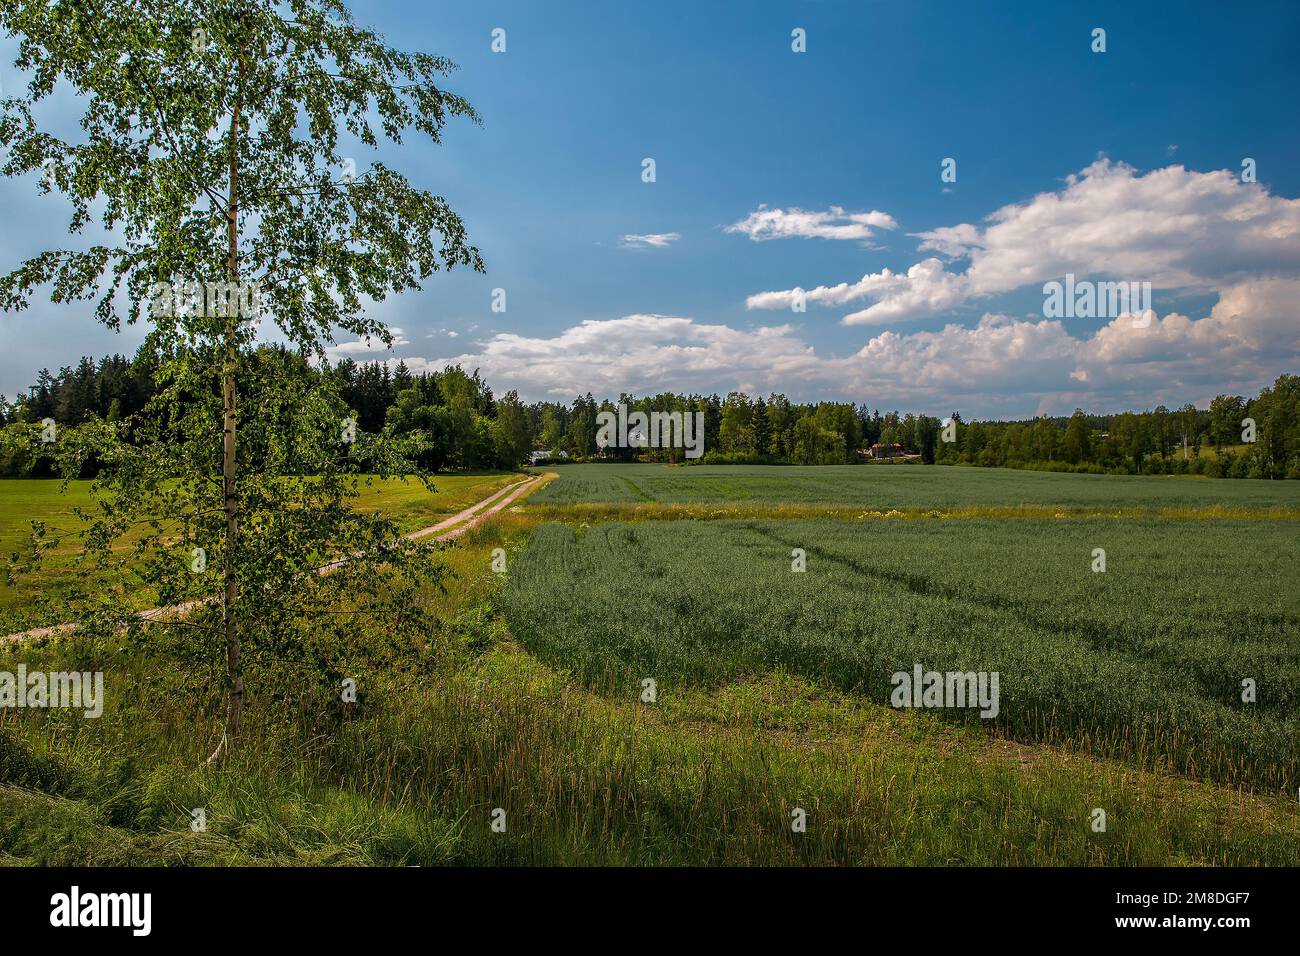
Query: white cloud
[835, 223]
[636, 352]
[1254, 324]
[655, 240]
[951, 241]
[1001, 366]
[367, 347]
[1176, 228]
[1173, 227]
[926, 288]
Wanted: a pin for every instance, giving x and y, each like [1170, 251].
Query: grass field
[23, 501]
[1208, 451]
[915, 487]
[1120, 690]
[1144, 660]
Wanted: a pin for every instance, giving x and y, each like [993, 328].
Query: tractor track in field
[448, 529]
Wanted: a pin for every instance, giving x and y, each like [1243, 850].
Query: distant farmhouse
[884, 451]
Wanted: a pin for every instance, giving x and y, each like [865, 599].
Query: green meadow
[1120, 690]
[56, 505]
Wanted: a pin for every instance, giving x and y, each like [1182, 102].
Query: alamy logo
[205, 300]
[83, 691]
[103, 909]
[1097, 300]
[922, 688]
[655, 430]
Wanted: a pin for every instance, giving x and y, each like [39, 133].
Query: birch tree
[222, 149]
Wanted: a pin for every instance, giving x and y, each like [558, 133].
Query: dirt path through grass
[460, 516]
[458, 524]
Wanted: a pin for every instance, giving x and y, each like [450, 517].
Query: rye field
[1145, 660]
[1146, 657]
[1119, 689]
[905, 487]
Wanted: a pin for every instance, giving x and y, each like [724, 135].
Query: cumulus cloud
[1254, 323]
[635, 352]
[924, 289]
[654, 240]
[368, 346]
[1173, 227]
[1181, 230]
[1000, 366]
[950, 241]
[764, 224]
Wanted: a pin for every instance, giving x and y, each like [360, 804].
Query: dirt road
[445, 530]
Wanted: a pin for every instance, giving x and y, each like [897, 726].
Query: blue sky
[1124, 164]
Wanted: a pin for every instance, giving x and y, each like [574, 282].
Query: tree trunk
[234, 665]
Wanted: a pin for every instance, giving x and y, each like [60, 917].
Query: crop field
[953, 569]
[1146, 659]
[916, 487]
[1119, 689]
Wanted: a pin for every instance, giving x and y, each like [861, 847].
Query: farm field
[1145, 660]
[914, 487]
[590, 775]
[23, 501]
[1118, 690]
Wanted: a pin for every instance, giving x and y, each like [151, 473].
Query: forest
[466, 427]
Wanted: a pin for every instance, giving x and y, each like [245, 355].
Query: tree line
[1235, 437]
[466, 427]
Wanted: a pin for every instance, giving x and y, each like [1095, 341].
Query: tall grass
[415, 776]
